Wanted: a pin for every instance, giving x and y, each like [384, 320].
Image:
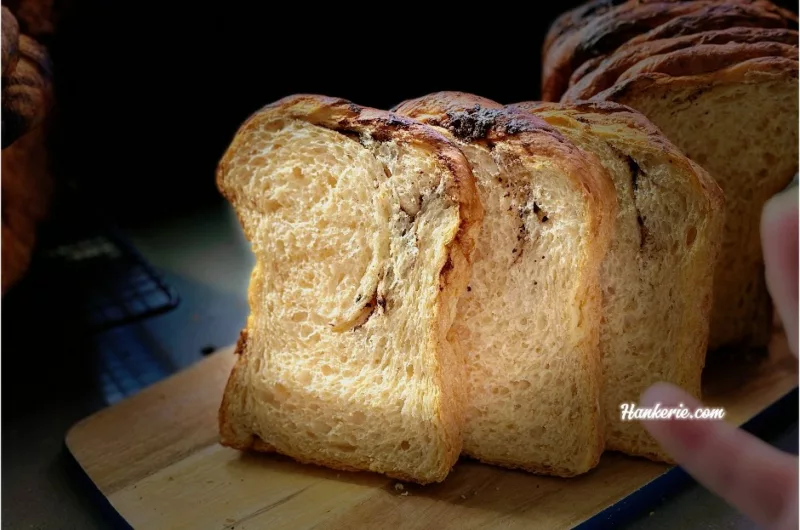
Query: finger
[749, 474]
[779, 237]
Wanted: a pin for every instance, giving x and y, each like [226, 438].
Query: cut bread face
[601, 73]
[740, 124]
[362, 223]
[657, 278]
[598, 36]
[529, 321]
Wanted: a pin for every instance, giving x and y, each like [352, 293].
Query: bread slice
[601, 35]
[602, 72]
[362, 223]
[658, 275]
[740, 124]
[707, 58]
[530, 319]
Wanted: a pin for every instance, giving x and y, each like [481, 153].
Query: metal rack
[111, 283]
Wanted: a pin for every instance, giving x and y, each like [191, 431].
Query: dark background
[150, 94]
[149, 97]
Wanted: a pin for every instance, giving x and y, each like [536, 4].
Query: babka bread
[530, 320]
[740, 124]
[600, 35]
[363, 225]
[657, 278]
[597, 75]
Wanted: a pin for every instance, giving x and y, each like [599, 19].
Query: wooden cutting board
[156, 458]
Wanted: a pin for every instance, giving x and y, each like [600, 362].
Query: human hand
[756, 478]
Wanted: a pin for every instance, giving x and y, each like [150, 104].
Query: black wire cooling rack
[108, 279]
[91, 273]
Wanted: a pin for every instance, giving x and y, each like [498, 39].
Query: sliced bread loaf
[362, 223]
[602, 72]
[657, 278]
[740, 124]
[530, 319]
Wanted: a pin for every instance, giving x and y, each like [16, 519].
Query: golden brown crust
[753, 70]
[718, 17]
[599, 35]
[471, 118]
[344, 116]
[596, 111]
[351, 119]
[573, 19]
[708, 58]
[600, 73]
[602, 35]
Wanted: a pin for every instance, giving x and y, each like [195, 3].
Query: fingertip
[665, 394]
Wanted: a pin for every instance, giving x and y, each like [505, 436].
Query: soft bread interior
[529, 321]
[740, 124]
[657, 276]
[525, 321]
[344, 361]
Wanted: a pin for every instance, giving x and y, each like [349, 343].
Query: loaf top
[597, 75]
[762, 69]
[600, 34]
[471, 118]
[635, 128]
[346, 117]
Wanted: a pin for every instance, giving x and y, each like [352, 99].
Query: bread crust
[749, 71]
[763, 15]
[708, 58]
[571, 20]
[472, 119]
[604, 34]
[348, 118]
[600, 73]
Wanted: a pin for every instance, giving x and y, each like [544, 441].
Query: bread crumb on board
[404, 494]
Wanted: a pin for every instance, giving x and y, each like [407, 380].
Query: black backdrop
[149, 96]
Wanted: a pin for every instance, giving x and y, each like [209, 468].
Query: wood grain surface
[156, 458]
